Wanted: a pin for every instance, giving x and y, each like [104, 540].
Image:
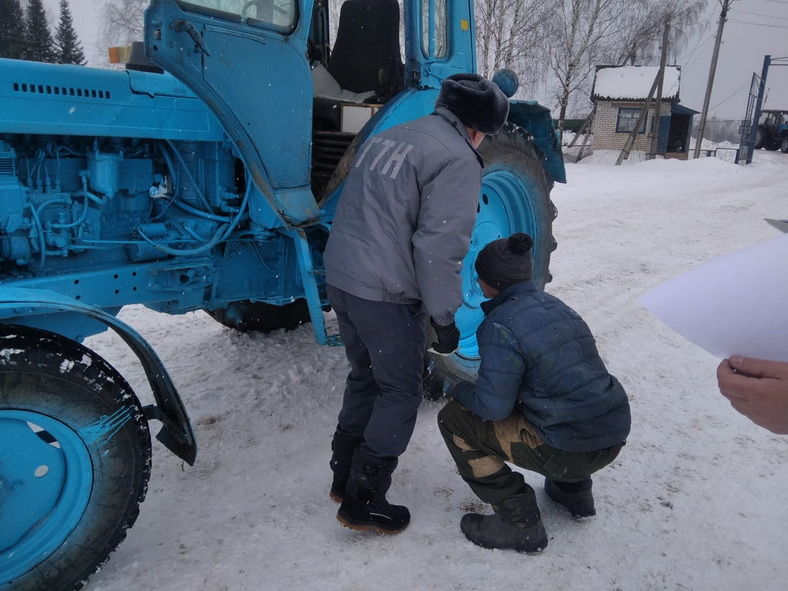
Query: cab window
[279, 13]
[434, 29]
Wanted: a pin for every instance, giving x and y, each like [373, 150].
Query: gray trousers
[385, 346]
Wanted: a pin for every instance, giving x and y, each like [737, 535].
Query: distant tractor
[205, 176]
[772, 132]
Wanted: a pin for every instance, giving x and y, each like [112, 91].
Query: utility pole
[726, 4]
[657, 118]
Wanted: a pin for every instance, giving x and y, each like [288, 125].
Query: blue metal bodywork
[55, 100]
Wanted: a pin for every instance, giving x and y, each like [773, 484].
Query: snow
[696, 501]
[634, 82]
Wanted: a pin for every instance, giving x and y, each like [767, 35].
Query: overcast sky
[755, 28]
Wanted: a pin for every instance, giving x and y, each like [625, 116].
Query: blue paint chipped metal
[105, 426]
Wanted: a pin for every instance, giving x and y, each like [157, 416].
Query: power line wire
[759, 24]
[690, 57]
[730, 96]
[778, 18]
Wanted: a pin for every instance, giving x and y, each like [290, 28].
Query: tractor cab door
[439, 40]
[246, 59]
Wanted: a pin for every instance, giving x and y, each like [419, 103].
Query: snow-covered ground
[698, 499]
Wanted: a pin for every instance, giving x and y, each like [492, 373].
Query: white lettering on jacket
[397, 152]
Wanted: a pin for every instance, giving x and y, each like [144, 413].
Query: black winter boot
[575, 496]
[343, 446]
[516, 525]
[364, 506]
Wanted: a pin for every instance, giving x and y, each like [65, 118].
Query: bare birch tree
[121, 22]
[510, 34]
[640, 29]
[581, 29]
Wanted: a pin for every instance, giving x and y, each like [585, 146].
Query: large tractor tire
[761, 137]
[247, 315]
[515, 197]
[784, 145]
[74, 464]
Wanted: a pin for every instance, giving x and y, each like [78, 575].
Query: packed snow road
[696, 501]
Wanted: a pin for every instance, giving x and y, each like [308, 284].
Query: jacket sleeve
[495, 392]
[446, 216]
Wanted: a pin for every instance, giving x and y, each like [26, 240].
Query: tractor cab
[352, 80]
[772, 131]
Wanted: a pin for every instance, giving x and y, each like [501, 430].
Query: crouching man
[543, 400]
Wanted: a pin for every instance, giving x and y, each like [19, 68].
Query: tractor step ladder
[309, 273]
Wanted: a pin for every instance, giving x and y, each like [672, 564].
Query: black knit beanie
[476, 101]
[506, 261]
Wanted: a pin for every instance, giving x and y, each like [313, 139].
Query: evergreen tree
[12, 29]
[40, 47]
[69, 49]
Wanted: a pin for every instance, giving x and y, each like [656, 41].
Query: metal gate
[747, 142]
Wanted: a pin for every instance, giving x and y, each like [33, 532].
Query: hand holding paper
[757, 389]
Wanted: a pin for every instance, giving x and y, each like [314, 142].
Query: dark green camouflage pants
[481, 449]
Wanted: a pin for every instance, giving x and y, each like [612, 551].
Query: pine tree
[40, 47]
[68, 47]
[12, 29]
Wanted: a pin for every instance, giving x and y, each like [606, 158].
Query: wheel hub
[502, 211]
[46, 478]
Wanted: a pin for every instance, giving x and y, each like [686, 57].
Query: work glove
[448, 338]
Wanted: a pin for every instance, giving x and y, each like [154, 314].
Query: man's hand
[758, 389]
[448, 338]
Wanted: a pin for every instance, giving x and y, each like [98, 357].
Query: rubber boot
[342, 446]
[516, 525]
[364, 506]
[574, 496]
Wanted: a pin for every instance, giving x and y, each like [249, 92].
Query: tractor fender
[176, 433]
[537, 121]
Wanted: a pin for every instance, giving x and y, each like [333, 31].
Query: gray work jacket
[405, 216]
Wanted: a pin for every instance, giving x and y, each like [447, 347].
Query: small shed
[619, 95]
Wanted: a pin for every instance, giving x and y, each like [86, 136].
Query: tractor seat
[366, 54]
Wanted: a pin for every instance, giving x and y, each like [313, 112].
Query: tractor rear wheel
[75, 460]
[761, 137]
[784, 145]
[515, 197]
[247, 315]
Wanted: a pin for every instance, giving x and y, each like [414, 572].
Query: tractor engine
[100, 198]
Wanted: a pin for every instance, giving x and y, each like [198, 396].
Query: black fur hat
[476, 101]
[506, 261]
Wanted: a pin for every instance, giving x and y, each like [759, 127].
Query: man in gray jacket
[393, 261]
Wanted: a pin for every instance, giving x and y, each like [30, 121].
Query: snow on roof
[634, 82]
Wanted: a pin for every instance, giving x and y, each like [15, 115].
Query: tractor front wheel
[515, 197]
[784, 145]
[75, 460]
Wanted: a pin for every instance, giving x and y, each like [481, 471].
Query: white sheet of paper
[736, 304]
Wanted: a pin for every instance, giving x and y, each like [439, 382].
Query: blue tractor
[204, 176]
[772, 130]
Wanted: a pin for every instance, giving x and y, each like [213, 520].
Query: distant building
[619, 95]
